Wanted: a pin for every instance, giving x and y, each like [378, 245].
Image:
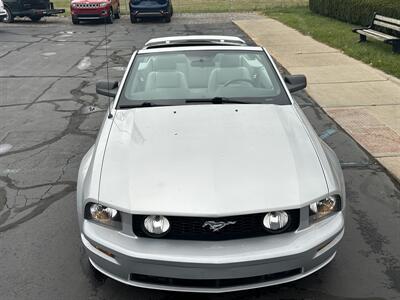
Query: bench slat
[387, 19]
[387, 25]
[381, 34]
[363, 32]
[375, 36]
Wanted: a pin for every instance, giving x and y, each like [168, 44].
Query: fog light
[156, 225]
[276, 221]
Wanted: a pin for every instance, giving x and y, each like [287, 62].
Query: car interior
[200, 75]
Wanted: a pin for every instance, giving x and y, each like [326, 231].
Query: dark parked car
[150, 8]
[34, 9]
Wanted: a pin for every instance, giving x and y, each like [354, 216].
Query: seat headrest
[165, 80]
[230, 61]
[164, 63]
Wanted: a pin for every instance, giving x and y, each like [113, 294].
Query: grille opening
[213, 283]
[191, 228]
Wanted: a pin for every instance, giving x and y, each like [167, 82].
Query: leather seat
[229, 69]
[165, 80]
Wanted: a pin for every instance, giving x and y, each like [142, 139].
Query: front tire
[75, 21]
[117, 15]
[133, 19]
[110, 18]
[167, 19]
[9, 18]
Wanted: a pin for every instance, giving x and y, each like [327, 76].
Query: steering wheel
[239, 80]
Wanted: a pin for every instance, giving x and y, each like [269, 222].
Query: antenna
[107, 75]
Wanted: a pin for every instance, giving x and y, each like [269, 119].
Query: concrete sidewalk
[361, 99]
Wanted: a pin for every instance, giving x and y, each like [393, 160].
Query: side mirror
[295, 82]
[107, 88]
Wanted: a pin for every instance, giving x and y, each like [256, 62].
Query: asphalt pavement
[49, 117]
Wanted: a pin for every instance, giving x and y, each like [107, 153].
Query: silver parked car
[206, 176]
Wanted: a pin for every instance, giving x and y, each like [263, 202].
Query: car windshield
[174, 78]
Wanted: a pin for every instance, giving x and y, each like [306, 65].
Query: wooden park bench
[377, 31]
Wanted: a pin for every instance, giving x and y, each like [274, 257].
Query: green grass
[189, 6]
[231, 5]
[338, 34]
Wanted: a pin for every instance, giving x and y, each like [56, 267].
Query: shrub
[356, 11]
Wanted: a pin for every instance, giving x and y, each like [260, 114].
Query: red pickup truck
[86, 10]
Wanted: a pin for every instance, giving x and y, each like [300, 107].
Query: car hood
[209, 160]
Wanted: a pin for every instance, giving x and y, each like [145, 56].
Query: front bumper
[90, 14]
[42, 12]
[203, 266]
[154, 11]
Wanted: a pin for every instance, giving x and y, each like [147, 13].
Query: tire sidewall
[110, 18]
[9, 18]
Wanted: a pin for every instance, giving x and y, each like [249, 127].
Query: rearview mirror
[107, 88]
[295, 82]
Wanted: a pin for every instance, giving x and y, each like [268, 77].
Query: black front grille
[212, 283]
[89, 15]
[193, 228]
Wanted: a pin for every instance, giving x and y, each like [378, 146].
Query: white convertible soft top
[221, 39]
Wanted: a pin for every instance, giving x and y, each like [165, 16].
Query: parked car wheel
[75, 21]
[133, 19]
[35, 18]
[9, 18]
[167, 19]
[117, 15]
[110, 18]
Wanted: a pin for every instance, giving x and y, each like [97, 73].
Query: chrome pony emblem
[217, 226]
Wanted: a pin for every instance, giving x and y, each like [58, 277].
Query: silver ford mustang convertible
[206, 176]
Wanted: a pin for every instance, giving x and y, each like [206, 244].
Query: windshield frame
[284, 98]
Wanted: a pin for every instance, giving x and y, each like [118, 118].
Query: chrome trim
[87, 5]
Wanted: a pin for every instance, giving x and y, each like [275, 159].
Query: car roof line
[173, 48]
[199, 40]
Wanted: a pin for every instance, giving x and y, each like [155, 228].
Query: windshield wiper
[219, 100]
[155, 103]
[143, 104]
[215, 100]
[149, 104]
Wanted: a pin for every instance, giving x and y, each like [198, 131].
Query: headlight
[324, 208]
[73, 5]
[103, 4]
[276, 221]
[102, 214]
[156, 226]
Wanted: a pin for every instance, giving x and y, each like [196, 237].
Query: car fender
[82, 175]
[328, 160]
[336, 170]
[90, 168]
